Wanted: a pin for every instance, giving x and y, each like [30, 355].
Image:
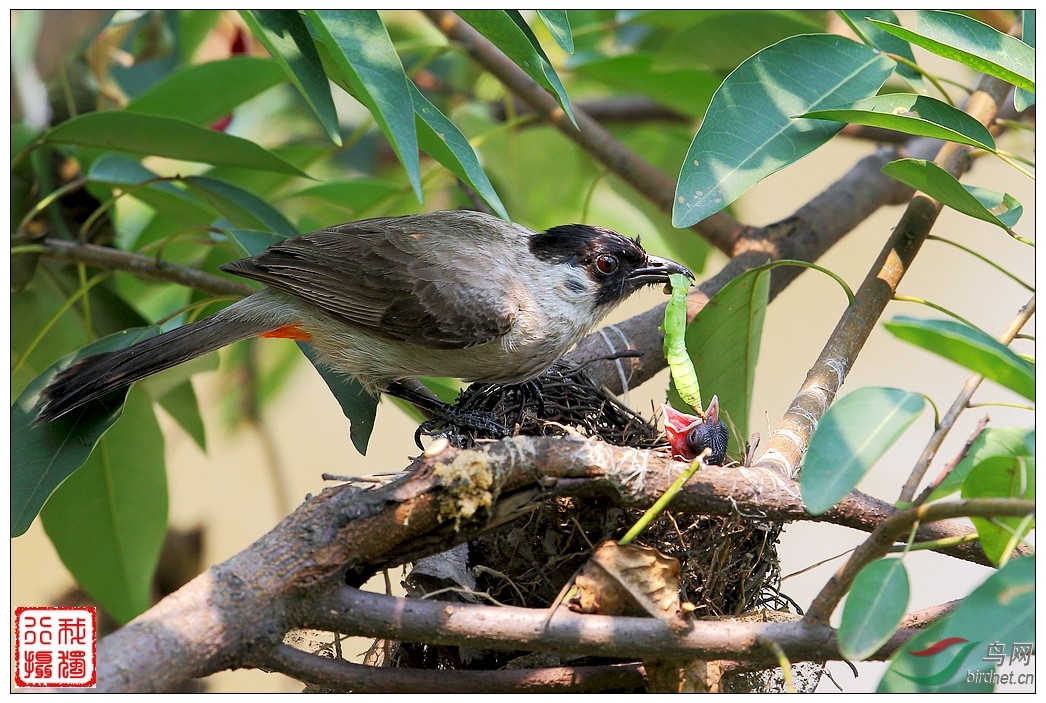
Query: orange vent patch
[288, 332]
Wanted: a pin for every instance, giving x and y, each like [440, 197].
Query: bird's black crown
[609, 258]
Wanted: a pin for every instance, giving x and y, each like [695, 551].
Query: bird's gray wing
[384, 275]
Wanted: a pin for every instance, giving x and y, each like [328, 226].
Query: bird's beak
[657, 270]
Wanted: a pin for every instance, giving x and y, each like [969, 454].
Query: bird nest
[728, 564]
[554, 404]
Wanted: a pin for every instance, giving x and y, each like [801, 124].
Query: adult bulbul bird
[455, 294]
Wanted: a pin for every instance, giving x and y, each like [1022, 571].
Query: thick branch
[225, 617]
[358, 678]
[351, 611]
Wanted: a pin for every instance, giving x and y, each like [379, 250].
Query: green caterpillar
[679, 363]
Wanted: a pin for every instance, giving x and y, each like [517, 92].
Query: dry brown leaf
[628, 580]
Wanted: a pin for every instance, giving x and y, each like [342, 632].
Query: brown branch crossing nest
[728, 565]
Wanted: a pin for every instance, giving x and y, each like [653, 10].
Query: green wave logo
[950, 669]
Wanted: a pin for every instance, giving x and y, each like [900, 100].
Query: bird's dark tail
[95, 376]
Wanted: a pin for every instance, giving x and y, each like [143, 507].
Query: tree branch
[895, 528]
[345, 676]
[956, 409]
[789, 441]
[355, 612]
[147, 267]
[242, 607]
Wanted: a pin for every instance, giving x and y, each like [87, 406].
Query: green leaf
[1008, 443]
[173, 391]
[287, 39]
[749, 132]
[1002, 206]
[519, 44]
[884, 41]
[727, 38]
[912, 114]
[359, 406]
[1001, 477]
[972, 43]
[174, 207]
[1001, 611]
[226, 84]
[152, 135]
[364, 58]
[933, 180]
[635, 73]
[558, 26]
[354, 195]
[874, 607]
[854, 433]
[443, 141]
[108, 521]
[1023, 99]
[723, 340]
[970, 348]
[243, 209]
[253, 241]
[46, 454]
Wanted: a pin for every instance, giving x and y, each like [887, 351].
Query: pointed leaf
[634, 73]
[173, 204]
[227, 84]
[363, 57]
[723, 340]
[559, 27]
[929, 178]
[181, 404]
[254, 241]
[1002, 206]
[359, 406]
[108, 521]
[749, 131]
[1000, 610]
[287, 39]
[884, 41]
[920, 115]
[975, 44]
[354, 195]
[152, 135]
[857, 430]
[46, 454]
[728, 37]
[443, 141]
[995, 442]
[874, 607]
[240, 207]
[519, 44]
[1023, 99]
[1001, 477]
[970, 348]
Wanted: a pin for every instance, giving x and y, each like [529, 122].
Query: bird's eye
[606, 264]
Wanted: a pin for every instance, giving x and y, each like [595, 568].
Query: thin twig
[948, 421]
[146, 267]
[899, 525]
